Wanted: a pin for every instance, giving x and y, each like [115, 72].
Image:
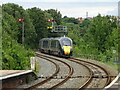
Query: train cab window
[45, 44]
[66, 42]
[58, 44]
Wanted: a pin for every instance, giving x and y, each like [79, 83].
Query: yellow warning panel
[66, 50]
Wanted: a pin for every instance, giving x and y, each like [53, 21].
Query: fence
[113, 59]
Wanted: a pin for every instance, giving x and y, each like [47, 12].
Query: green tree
[38, 18]
[10, 26]
[17, 12]
[56, 15]
[70, 20]
[14, 57]
[84, 26]
[99, 31]
[85, 23]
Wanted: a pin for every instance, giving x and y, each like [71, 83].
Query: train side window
[45, 44]
[53, 44]
[57, 44]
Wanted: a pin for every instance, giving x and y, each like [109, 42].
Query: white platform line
[113, 82]
[16, 74]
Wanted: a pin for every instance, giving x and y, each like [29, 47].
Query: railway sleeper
[97, 76]
[62, 77]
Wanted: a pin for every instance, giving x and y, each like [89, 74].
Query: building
[80, 19]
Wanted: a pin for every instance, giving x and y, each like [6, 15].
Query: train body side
[57, 46]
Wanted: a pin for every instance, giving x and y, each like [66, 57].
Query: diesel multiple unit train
[61, 46]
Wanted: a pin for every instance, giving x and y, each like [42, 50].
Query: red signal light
[20, 19]
[50, 20]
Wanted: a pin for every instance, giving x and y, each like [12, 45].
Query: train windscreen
[66, 42]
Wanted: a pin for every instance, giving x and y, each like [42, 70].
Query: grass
[115, 66]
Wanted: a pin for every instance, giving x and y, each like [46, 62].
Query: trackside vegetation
[93, 38]
[96, 39]
[14, 56]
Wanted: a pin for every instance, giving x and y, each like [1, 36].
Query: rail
[57, 71]
[49, 78]
[107, 73]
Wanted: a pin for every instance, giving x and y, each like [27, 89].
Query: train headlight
[63, 47]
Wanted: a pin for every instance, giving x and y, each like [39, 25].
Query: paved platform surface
[4, 74]
[9, 72]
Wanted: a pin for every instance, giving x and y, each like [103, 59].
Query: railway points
[74, 78]
[105, 78]
[64, 75]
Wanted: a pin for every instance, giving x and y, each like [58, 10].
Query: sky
[72, 8]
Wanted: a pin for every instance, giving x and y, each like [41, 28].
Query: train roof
[57, 38]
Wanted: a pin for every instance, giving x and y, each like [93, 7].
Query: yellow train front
[61, 46]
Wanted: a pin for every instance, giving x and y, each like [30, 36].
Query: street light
[22, 31]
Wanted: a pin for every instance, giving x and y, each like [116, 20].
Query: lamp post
[22, 31]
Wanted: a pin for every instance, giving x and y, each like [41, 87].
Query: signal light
[50, 20]
[50, 28]
[20, 19]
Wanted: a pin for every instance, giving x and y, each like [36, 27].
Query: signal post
[22, 20]
[57, 28]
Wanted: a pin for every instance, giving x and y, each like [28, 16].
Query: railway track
[98, 77]
[99, 73]
[48, 78]
[56, 72]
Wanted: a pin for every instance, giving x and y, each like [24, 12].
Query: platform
[14, 78]
[9, 72]
[114, 85]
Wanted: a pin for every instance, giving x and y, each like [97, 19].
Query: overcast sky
[72, 8]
